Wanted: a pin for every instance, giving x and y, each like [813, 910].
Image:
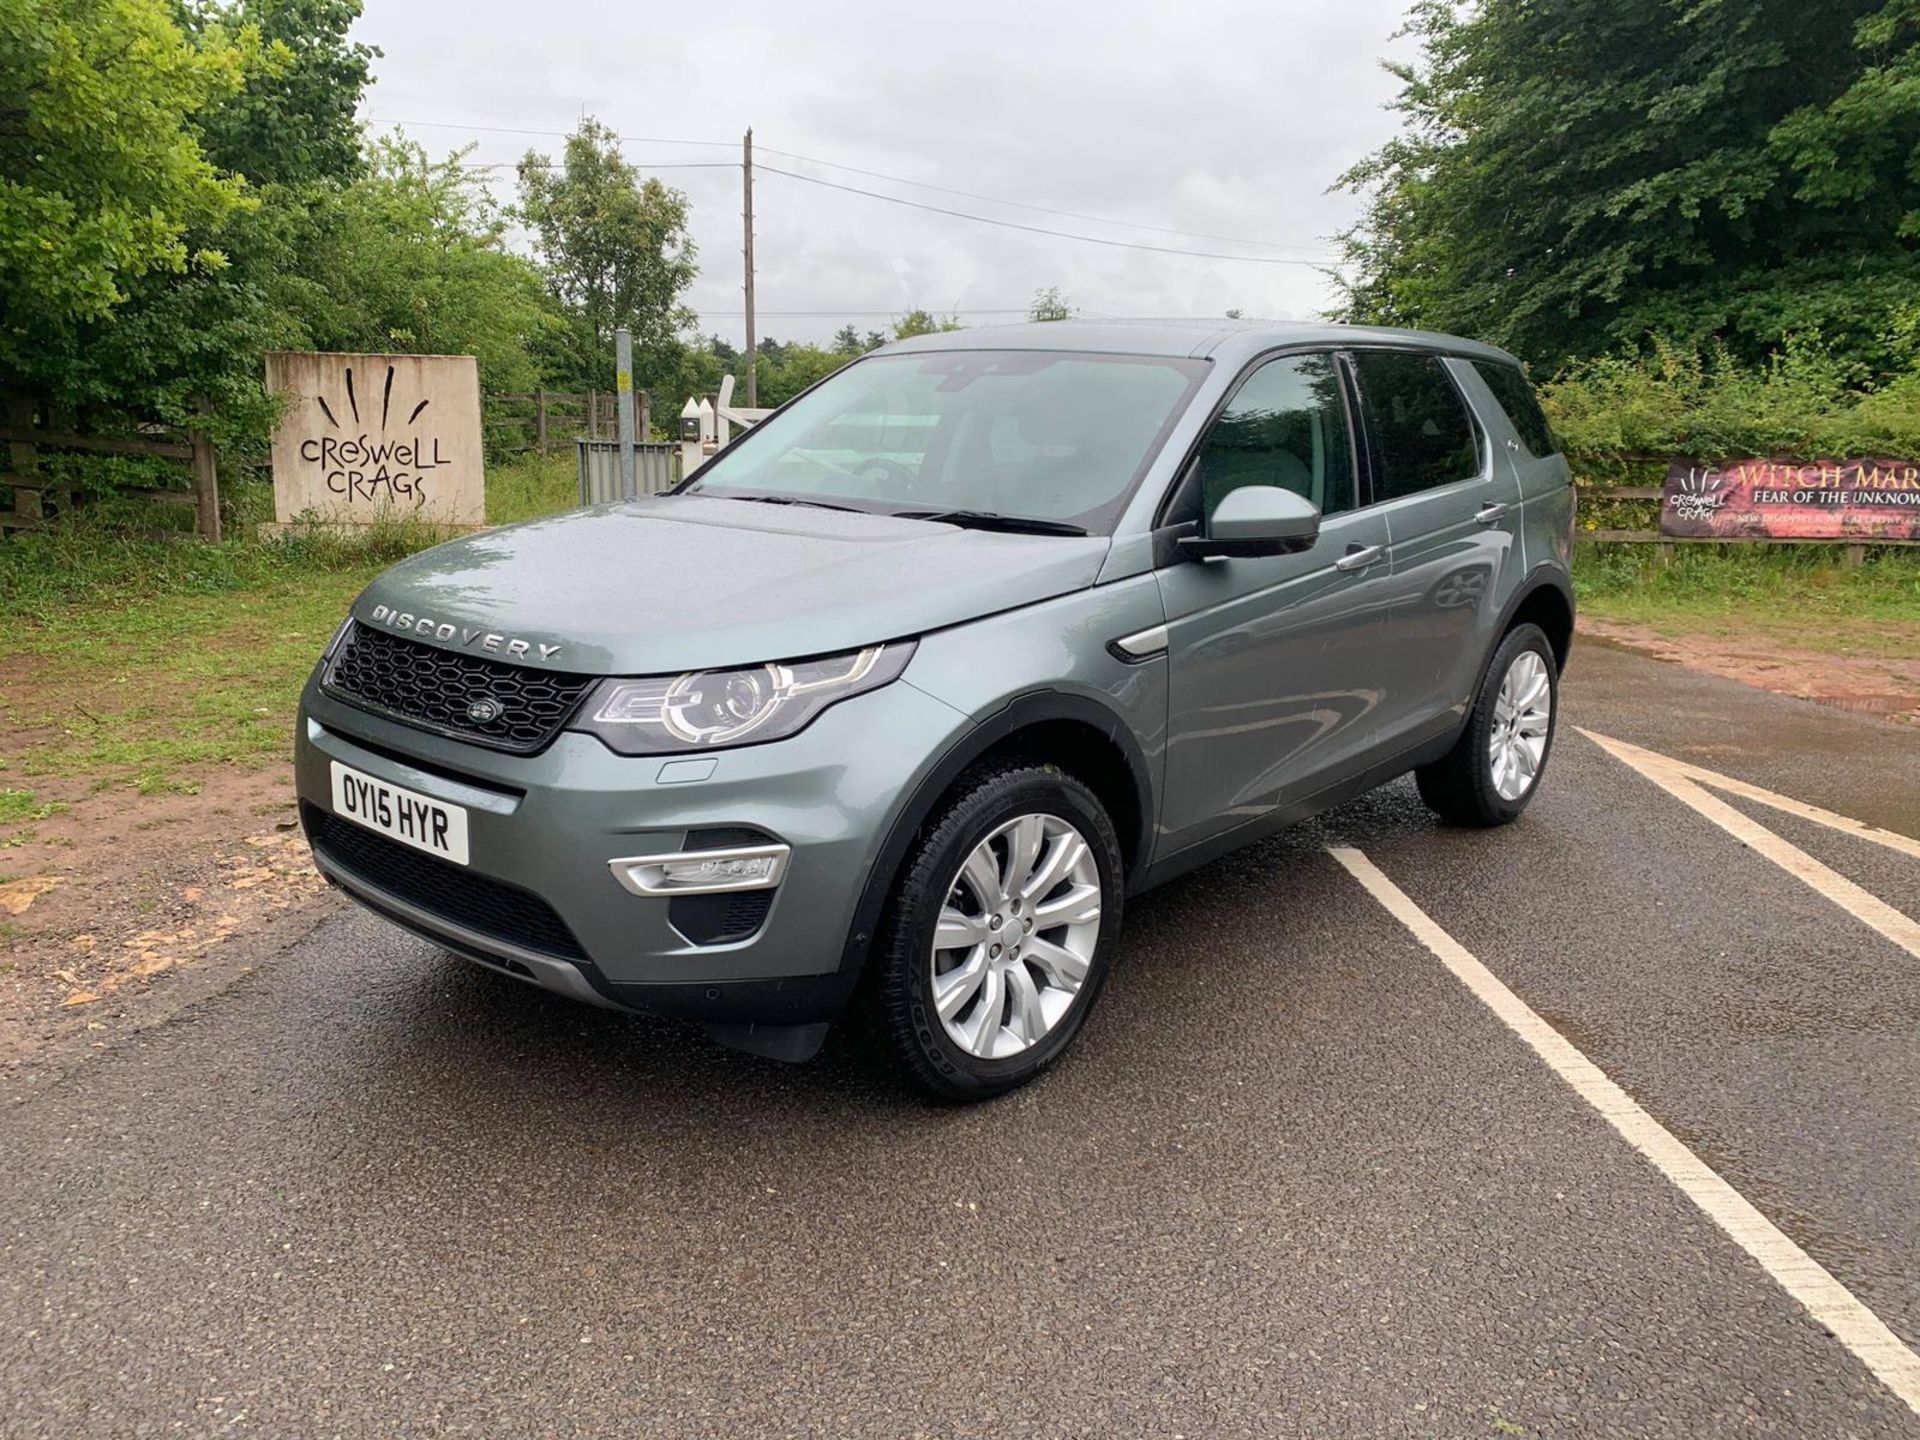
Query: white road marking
[1824, 1298]
[1867, 908]
[1647, 761]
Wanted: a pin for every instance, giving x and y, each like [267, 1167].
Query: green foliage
[1671, 401]
[792, 369]
[616, 252]
[102, 177]
[1049, 304]
[924, 322]
[411, 257]
[1581, 174]
[294, 121]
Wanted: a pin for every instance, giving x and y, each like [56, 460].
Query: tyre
[995, 946]
[1495, 768]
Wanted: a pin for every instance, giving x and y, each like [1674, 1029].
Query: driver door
[1273, 660]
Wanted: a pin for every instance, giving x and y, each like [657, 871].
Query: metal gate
[656, 468]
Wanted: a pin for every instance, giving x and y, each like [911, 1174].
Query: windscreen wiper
[783, 500]
[991, 520]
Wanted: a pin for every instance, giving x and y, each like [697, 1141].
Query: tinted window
[1421, 433]
[1516, 397]
[1040, 434]
[1286, 426]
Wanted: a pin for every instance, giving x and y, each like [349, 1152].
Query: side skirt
[1291, 812]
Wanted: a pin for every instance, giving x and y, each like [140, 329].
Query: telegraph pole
[746, 185]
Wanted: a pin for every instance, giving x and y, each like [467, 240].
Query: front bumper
[548, 825]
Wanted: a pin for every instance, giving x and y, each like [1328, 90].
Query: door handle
[1359, 559]
[1487, 514]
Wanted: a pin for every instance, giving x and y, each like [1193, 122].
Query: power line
[923, 185]
[1042, 230]
[1042, 209]
[553, 134]
[546, 164]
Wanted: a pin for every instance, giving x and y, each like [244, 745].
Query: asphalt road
[1294, 1180]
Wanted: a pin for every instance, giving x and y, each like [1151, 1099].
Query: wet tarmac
[1294, 1180]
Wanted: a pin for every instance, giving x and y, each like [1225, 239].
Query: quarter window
[1516, 397]
[1286, 426]
[1416, 421]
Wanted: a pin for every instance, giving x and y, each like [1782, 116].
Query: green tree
[1049, 304]
[846, 340]
[103, 181]
[923, 322]
[616, 252]
[796, 367]
[411, 257]
[1581, 174]
[295, 119]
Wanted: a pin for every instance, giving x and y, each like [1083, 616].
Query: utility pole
[746, 185]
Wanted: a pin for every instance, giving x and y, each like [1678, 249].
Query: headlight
[711, 709]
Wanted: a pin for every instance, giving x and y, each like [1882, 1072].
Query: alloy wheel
[1016, 936]
[1522, 720]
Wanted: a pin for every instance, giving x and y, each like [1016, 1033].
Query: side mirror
[1257, 520]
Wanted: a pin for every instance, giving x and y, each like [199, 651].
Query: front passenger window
[1286, 426]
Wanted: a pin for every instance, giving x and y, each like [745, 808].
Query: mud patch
[1880, 685]
[112, 896]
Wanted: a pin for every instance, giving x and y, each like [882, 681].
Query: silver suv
[900, 699]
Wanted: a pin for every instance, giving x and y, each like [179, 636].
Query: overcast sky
[1226, 119]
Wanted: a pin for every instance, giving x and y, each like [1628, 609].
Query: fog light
[696, 872]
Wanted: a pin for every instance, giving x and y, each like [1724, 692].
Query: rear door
[1539, 469]
[1273, 665]
[1452, 516]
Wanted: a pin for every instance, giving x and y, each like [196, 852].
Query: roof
[1197, 337]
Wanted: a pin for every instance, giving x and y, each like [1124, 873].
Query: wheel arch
[1082, 734]
[1546, 600]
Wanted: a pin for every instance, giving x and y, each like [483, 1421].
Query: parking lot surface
[1295, 1179]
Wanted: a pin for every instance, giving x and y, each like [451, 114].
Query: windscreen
[1041, 435]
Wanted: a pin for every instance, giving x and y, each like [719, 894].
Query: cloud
[1227, 119]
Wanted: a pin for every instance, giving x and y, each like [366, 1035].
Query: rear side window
[1516, 397]
[1418, 425]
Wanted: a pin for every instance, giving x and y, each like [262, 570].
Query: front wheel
[1495, 768]
[997, 942]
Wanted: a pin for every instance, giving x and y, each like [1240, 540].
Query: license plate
[404, 815]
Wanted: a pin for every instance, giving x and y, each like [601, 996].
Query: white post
[690, 429]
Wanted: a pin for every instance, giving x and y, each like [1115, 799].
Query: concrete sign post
[377, 437]
[623, 387]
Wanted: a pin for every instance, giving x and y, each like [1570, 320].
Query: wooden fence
[553, 419]
[33, 492]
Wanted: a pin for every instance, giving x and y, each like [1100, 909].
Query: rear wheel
[1495, 768]
[996, 944]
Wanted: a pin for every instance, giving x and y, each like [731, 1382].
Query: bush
[1805, 403]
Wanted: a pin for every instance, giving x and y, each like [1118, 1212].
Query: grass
[19, 807]
[140, 660]
[1797, 597]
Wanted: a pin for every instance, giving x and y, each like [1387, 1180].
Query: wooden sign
[377, 437]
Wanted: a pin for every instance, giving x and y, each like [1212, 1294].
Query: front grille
[432, 688]
[492, 907]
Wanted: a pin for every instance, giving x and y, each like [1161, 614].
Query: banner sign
[368, 437]
[1862, 500]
